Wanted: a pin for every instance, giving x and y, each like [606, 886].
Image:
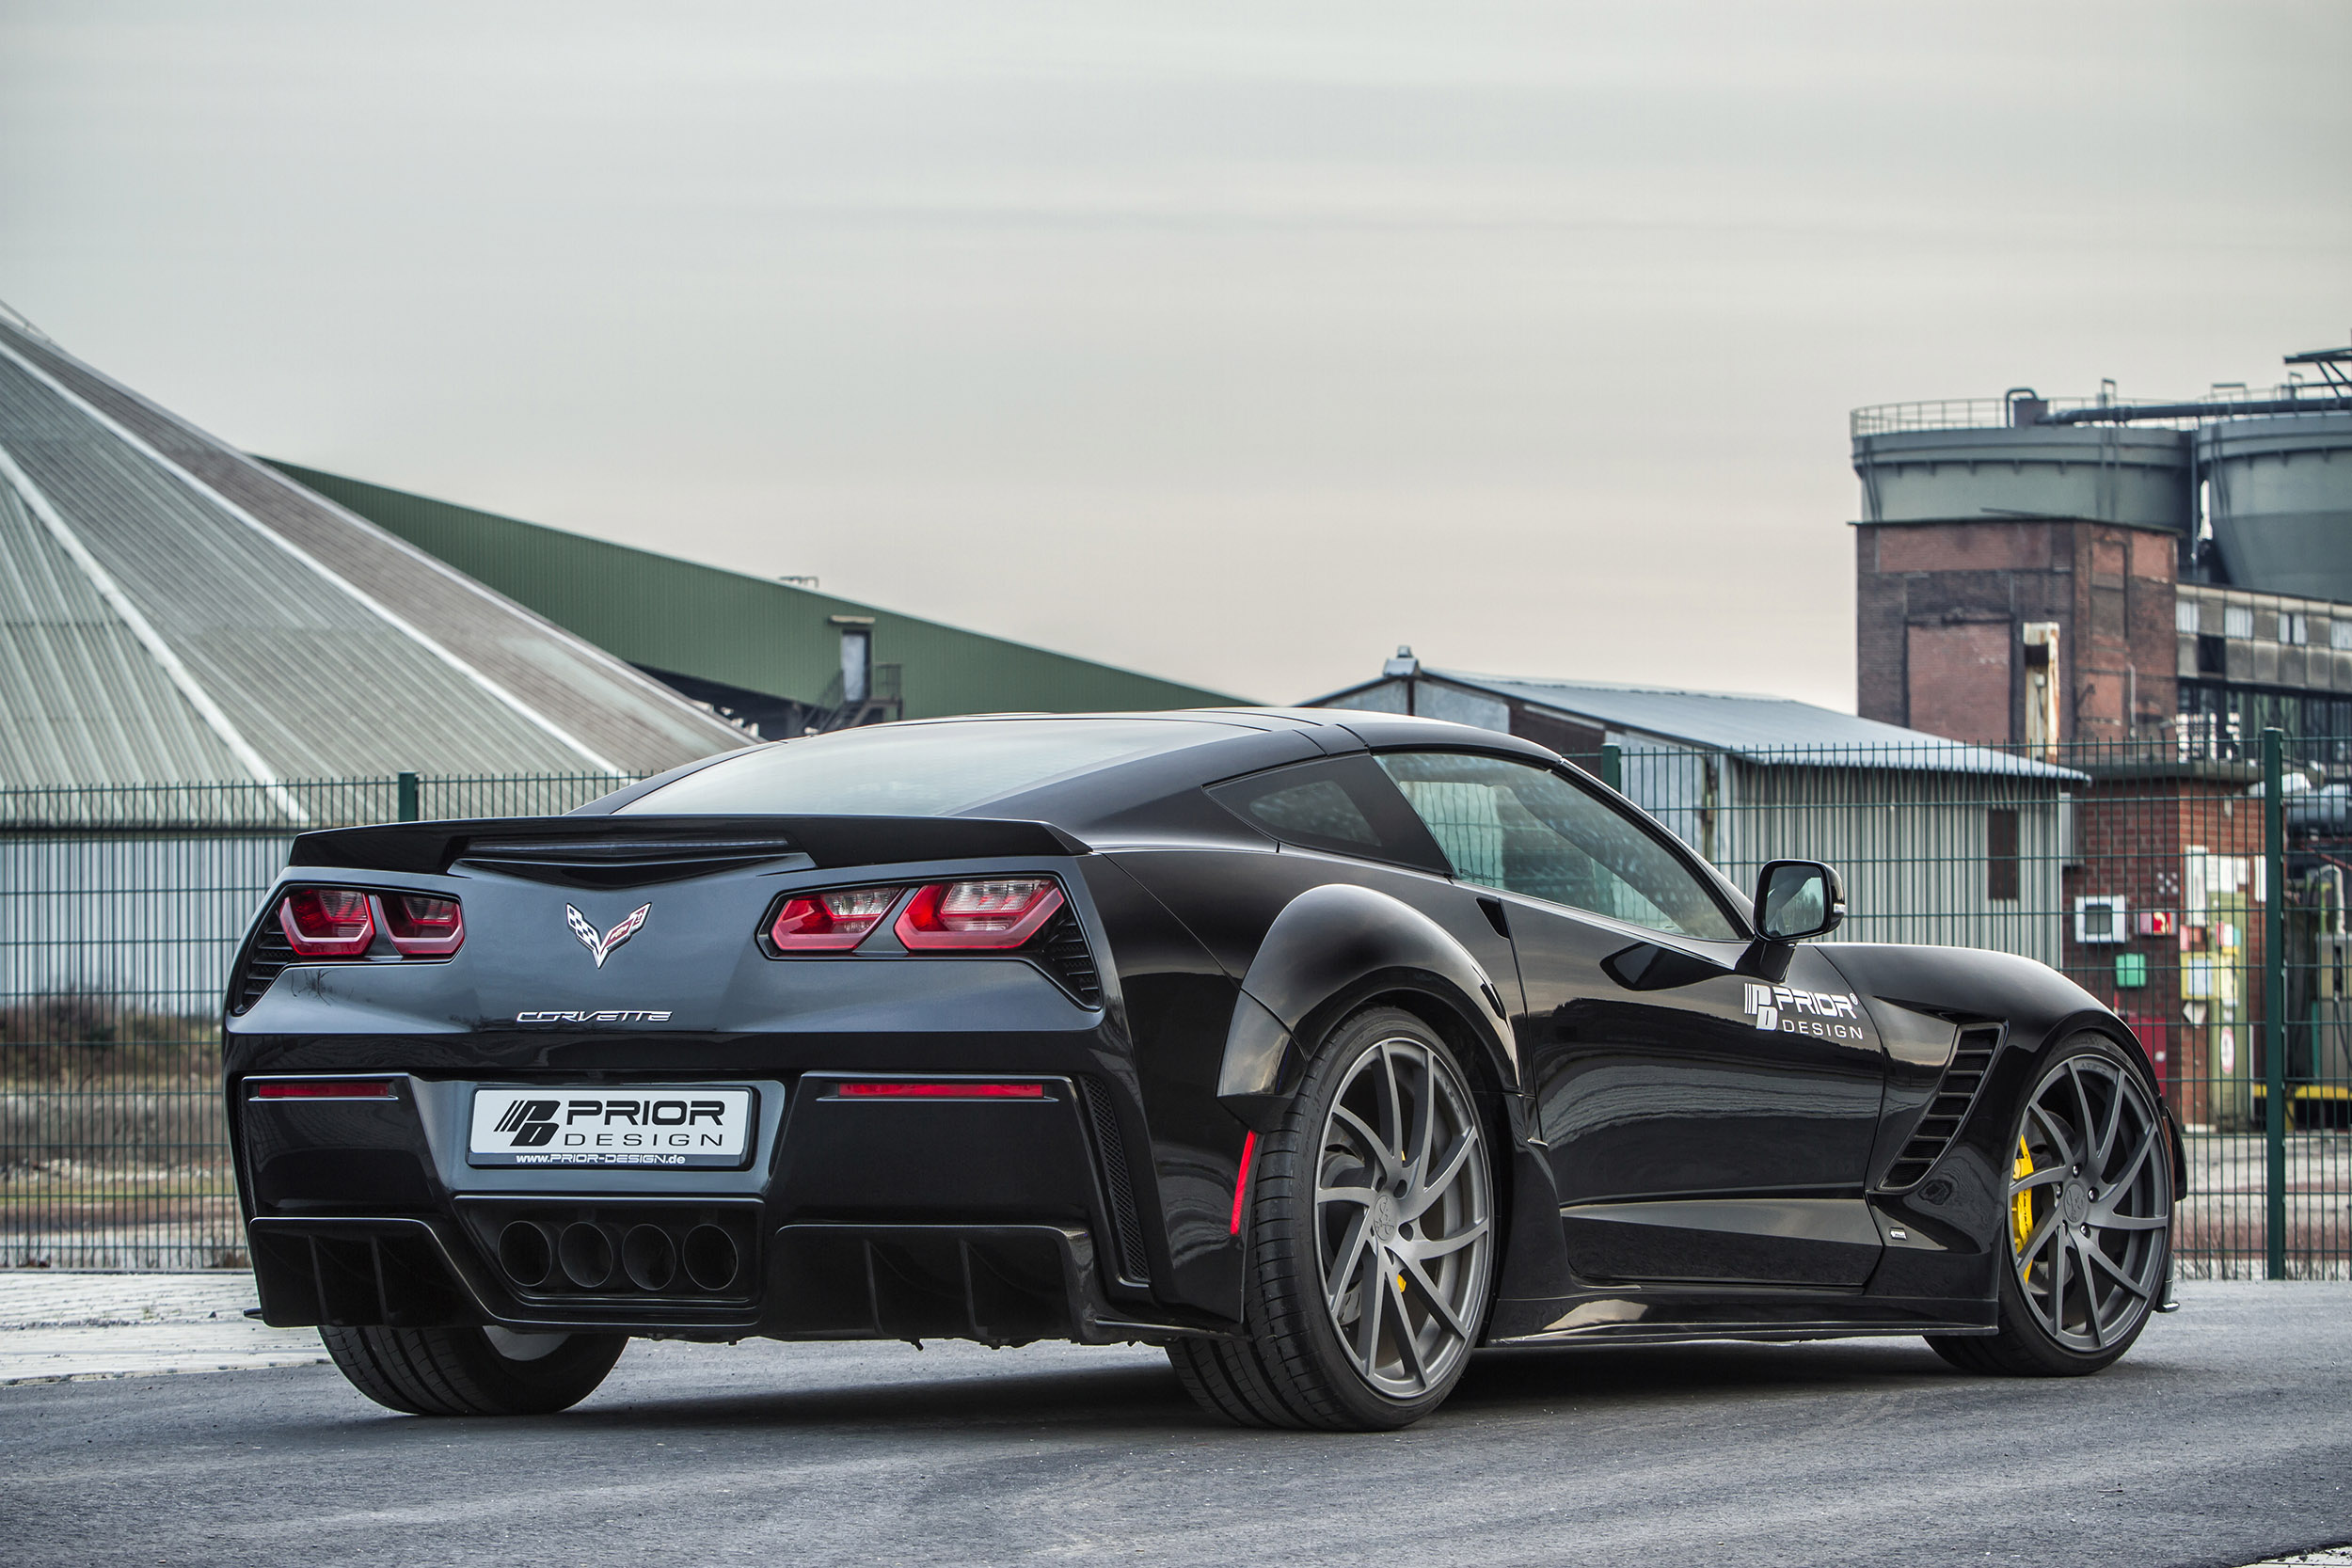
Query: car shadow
[1146, 1399]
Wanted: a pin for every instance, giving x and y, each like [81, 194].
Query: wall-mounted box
[2099, 917]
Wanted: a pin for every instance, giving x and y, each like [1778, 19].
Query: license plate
[661, 1126]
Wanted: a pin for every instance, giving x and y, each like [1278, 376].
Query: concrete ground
[2224, 1438]
[58, 1325]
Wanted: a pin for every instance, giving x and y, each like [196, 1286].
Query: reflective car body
[1695, 1132]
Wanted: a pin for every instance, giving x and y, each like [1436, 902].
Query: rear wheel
[473, 1372]
[2089, 1220]
[1371, 1241]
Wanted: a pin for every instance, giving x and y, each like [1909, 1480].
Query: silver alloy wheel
[2090, 1199]
[1402, 1217]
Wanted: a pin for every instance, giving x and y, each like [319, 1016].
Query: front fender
[2040, 1006]
[1331, 949]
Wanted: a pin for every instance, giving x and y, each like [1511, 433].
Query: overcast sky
[1233, 343]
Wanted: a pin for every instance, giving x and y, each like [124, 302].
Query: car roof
[1257, 738]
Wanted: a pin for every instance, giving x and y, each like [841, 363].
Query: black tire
[2090, 1228]
[462, 1371]
[1311, 1359]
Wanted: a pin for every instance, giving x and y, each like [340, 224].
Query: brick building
[2025, 632]
[2163, 891]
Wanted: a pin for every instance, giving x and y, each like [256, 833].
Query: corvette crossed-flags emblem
[600, 947]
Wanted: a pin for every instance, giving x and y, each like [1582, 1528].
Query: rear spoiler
[432, 847]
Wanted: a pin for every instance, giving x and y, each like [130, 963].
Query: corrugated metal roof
[1764, 729]
[173, 611]
[754, 633]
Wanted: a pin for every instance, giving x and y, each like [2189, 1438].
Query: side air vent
[264, 961]
[1971, 1059]
[1062, 949]
[1112, 1150]
[619, 863]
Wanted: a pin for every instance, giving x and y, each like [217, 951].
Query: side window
[1313, 808]
[1526, 829]
[1344, 804]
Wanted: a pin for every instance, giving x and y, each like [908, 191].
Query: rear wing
[623, 844]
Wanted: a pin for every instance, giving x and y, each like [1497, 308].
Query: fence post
[2275, 994]
[1612, 767]
[408, 798]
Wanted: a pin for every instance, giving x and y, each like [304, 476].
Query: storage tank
[1959, 461]
[2278, 495]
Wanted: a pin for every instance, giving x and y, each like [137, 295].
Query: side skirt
[1637, 1334]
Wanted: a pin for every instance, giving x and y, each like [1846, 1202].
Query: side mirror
[1796, 899]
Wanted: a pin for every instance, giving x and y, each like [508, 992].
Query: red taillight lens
[991, 913]
[424, 927]
[962, 1090]
[327, 1088]
[327, 922]
[831, 922]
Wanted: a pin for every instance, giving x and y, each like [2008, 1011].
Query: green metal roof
[667, 614]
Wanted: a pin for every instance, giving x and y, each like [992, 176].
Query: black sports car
[1318, 1047]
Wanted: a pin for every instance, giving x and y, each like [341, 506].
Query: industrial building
[173, 612]
[1937, 841]
[201, 657]
[2169, 577]
[2139, 590]
[778, 658]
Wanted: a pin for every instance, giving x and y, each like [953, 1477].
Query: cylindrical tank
[2108, 473]
[2279, 494]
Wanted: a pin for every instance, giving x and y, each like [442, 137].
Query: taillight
[983, 913]
[422, 926]
[327, 1088]
[831, 922]
[327, 922]
[960, 1089]
[342, 922]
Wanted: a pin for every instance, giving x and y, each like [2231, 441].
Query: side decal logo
[1788, 1011]
[600, 947]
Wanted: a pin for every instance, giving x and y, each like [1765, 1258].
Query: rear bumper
[998, 1284]
[1000, 1220]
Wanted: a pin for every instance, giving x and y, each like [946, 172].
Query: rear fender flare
[1331, 949]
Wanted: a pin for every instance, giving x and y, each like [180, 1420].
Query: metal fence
[2203, 898]
[120, 911]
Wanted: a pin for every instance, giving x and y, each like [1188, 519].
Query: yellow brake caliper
[2021, 1207]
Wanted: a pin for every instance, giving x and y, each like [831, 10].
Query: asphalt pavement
[2224, 1438]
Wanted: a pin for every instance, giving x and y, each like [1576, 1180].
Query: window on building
[2002, 878]
[2184, 616]
[2340, 634]
[2295, 626]
[2238, 620]
[2212, 655]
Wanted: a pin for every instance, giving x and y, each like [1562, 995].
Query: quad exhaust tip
[649, 1258]
[586, 1255]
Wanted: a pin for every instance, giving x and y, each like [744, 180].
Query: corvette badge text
[1804, 1012]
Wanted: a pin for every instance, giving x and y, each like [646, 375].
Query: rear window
[915, 769]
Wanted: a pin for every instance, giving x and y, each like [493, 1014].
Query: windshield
[923, 770]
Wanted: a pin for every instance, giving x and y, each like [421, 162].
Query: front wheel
[473, 1372]
[1371, 1241]
[2090, 1212]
